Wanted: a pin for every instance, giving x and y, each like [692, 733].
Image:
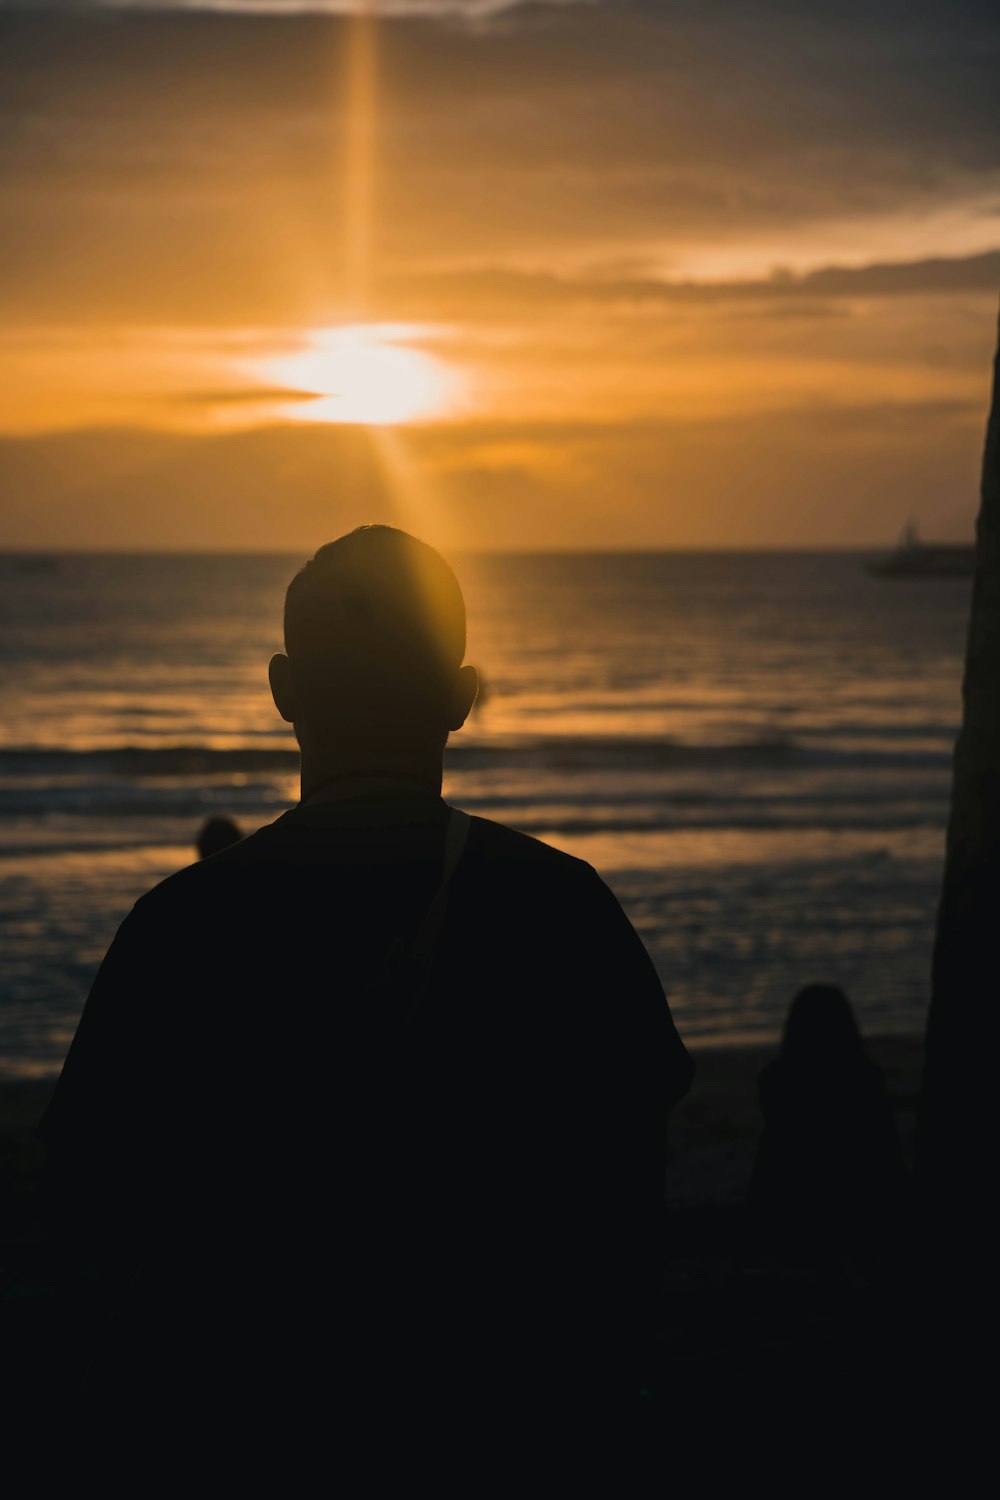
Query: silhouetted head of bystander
[820, 1029]
[375, 639]
[217, 834]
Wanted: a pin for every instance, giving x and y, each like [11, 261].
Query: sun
[366, 373]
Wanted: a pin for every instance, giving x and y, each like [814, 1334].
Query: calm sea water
[753, 750]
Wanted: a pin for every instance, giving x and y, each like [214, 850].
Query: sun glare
[366, 374]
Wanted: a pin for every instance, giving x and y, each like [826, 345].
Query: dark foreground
[754, 1345]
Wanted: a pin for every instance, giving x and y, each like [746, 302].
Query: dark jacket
[260, 1153]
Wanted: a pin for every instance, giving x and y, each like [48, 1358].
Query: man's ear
[463, 696]
[279, 674]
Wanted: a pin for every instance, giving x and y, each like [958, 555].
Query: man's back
[312, 1168]
[251, 1120]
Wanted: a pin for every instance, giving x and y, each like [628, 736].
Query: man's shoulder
[498, 844]
[507, 863]
[194, 882]
[497, 852]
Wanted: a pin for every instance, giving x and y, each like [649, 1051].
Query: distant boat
[914, 558]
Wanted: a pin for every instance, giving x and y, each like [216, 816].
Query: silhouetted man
[368, 1111]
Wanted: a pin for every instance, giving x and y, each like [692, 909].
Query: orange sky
[633, 274]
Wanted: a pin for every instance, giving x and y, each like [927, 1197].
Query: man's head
[375, 636]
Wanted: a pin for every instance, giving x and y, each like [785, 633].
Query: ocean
[752, 749]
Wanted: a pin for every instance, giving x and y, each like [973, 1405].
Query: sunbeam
[359, 167]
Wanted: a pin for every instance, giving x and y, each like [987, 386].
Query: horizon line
[656, 549]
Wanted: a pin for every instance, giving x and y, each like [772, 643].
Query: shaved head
[375, 635]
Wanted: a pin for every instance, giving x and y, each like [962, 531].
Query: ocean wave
[564, 753]
[556, 804]
[165, 827]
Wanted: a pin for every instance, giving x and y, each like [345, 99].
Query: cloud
[591, 197]
[496, 289]
[191, 164]
[472, 10]
[242, 396]
[805, 475]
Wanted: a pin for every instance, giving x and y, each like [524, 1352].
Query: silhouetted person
[216, 834]
[366, 1114]
[829, 1176]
